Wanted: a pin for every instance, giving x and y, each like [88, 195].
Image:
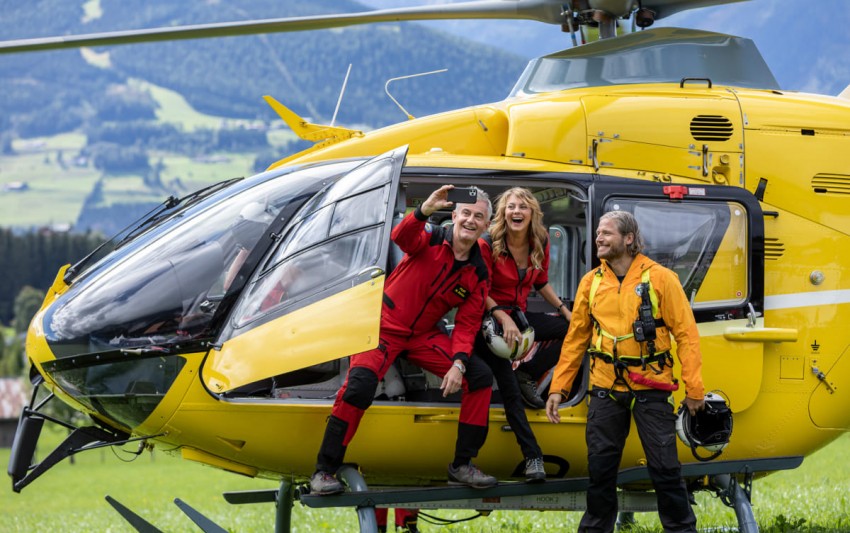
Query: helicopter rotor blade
[547, 11]
[540, 10]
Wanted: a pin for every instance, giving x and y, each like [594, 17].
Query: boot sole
[462, 484]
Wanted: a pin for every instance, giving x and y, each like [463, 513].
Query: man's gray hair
[626, 223]
[481, 196]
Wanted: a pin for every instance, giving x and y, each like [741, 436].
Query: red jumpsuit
[426, 284]
[507, 287]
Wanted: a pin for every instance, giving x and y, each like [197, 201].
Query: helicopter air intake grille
[773, 249]
[831, 184]
[711, 128]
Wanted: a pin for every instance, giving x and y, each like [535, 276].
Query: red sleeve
[411, 234]
[468, 322]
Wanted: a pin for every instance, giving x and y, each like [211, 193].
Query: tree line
[33, 259]
[29, 263]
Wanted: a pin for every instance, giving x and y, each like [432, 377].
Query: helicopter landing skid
[737, 497]
[562, 494]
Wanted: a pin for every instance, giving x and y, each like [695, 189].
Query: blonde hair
[537, 232]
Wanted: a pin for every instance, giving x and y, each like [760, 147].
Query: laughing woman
[517, 252]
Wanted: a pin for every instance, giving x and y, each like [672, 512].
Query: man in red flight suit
[442, 269]
[405, 519]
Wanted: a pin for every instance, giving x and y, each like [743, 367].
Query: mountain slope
[229, 76]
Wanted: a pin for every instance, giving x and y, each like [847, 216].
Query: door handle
[748, 334]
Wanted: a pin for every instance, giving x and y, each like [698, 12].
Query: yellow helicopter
[224, 320]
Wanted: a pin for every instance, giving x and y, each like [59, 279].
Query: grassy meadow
[70, 498]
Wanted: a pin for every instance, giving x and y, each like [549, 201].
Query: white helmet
[710, 428]
[492, 332]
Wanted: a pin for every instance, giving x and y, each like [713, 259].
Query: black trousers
[549, 330]
[608, 422]
[509, 389]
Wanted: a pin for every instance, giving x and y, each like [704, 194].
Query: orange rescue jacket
[615, 307]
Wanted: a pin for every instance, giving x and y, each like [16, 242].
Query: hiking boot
[323, 483]
[469, 474]
[534, 471]
[528, 391]
[410, 526]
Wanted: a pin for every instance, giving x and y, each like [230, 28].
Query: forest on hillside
[33, 259]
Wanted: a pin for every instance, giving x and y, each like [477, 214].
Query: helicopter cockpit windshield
[662, 55]
[157, 215]
[166, 285]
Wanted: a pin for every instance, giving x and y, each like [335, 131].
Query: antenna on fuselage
[387, 88]
[341, 92]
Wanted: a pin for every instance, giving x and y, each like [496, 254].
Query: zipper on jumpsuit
[428, 300]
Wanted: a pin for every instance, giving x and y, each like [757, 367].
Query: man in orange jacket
[623, 315]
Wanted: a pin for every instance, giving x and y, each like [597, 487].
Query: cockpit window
[300, 276]
[705, 234]
[337, 237]
[662, 55]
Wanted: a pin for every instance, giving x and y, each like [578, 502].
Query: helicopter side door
[712, 238]
[317, 295]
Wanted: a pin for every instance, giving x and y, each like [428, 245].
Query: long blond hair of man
[537, 232]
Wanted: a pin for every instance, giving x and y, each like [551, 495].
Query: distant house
[13, 398]
[16, 186]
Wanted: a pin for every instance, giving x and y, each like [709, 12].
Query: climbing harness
[644, 330]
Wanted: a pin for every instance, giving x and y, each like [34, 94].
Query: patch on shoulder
[429, 228]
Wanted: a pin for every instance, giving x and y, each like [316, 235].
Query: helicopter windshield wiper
[147, 221]
[166, 207]
[200, 194]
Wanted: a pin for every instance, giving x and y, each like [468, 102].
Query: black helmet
[710, 428]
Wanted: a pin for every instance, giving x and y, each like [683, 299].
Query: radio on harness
[644, 327]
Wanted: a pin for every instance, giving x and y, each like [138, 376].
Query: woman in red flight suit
[517, 253]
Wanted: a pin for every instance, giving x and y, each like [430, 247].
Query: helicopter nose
[124, 386]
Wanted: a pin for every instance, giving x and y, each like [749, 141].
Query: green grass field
[70, 497]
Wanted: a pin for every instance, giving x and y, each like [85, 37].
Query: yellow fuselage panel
[834, 392]
[481, 131]
[299, 339]
[733, 367]
[806, 287]
[278, 437]
[549, 130]
[641, 127]
[801, 146]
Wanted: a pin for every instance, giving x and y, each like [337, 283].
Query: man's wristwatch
[459, 366]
